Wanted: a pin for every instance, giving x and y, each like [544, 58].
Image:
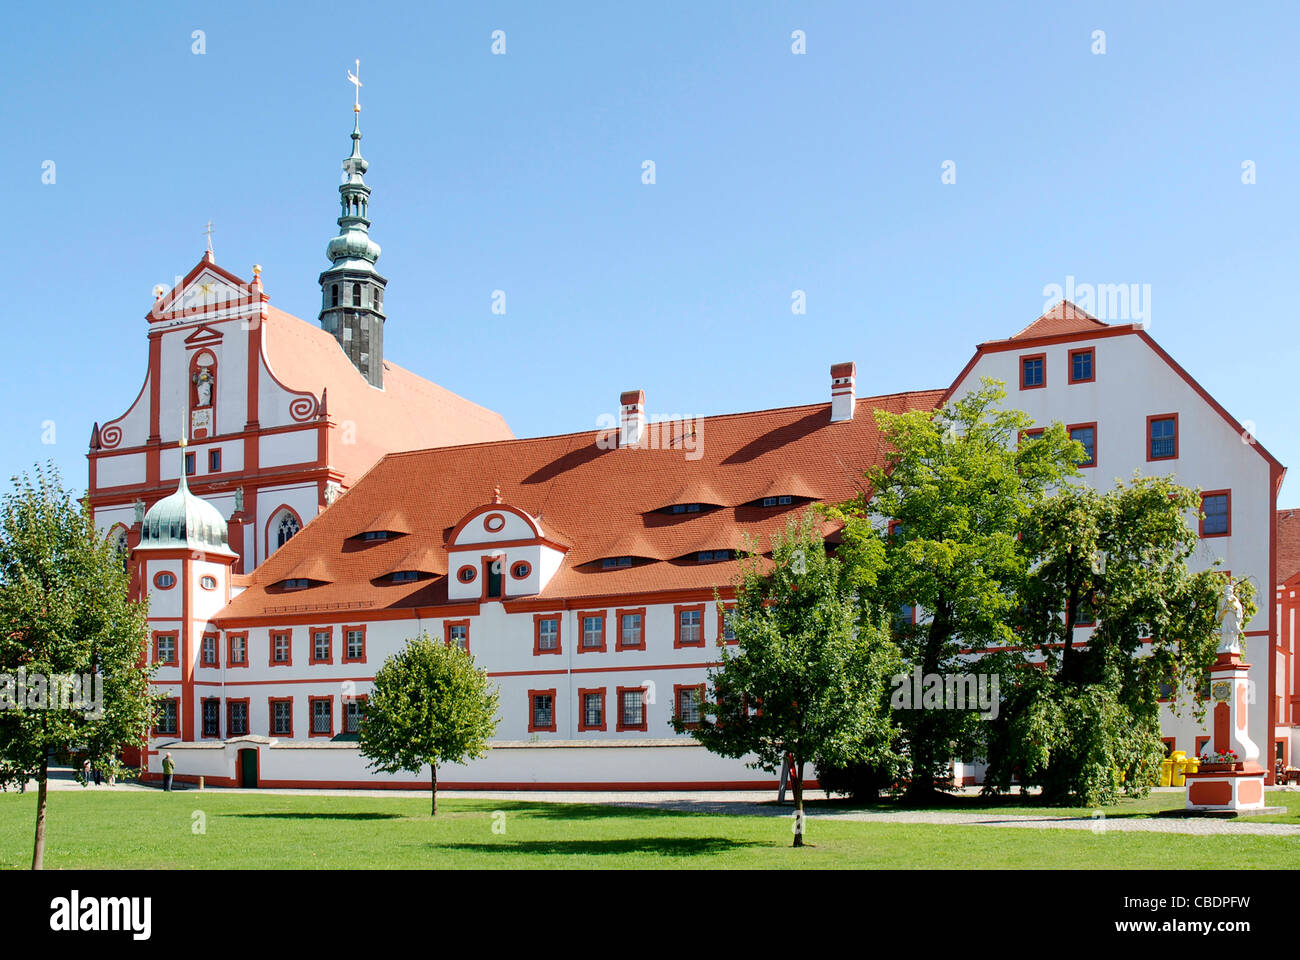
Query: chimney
[843, 391]
[631, 420]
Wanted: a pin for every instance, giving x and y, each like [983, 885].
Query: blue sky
[774, 173]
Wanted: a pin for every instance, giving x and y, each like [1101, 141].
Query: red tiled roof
[409, 413]
[1064, 317]
[1288, 544]
[601, 501]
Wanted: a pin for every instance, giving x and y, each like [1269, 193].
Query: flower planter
[1219, 767]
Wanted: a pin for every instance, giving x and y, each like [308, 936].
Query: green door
[248, 768]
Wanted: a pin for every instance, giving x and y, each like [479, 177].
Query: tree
[72, 666]
[1087, 725]
[430, 705]
[949, 503]
[807, 675]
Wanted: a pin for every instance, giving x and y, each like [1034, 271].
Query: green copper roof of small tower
[353, 249]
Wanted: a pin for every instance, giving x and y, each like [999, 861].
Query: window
[1202, 744]
[466, 574]
[457, 634]
[322, 716]
[356, 294]
[1086, 434]
[236, 718]
[165, 580]
[168, 718]
[631, 629]
[1216, 509]
[1085, 612]
[405, 576]
[297, 583]
[546, 633]
[1162, 437]
[281, 651]
[214, 461]
[189, 465]
[777, 501]
[905, 615]
[1166, 692]
[712, 556]
[322, 645]
[1033, 371]
[164, 648]
[354, 649]
[687, 701]
[211, 718]
[285, 528]
[237, 649]
[592, 703]
[610, 563]
[541, 710]
[521, 570]
[686, 508]
[208, 582]
[210, 650]
[726, 632]
[495, 576]
[631, 708]
[282, 718]
[592, 627]
[370, 535]
[352, 711]
[690, 631]
[1081, 366]
[1033, 434]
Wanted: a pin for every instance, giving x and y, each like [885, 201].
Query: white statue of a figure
[1230, 616]
[203, 383]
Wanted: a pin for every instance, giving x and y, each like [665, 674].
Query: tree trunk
[38, 848]
[796, 774]
[922, 788]
[433, 769]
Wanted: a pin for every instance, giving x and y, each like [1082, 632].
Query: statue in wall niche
[203, 383]
[139, 511]
[332, 492]
[1230, 615]
[239, 499]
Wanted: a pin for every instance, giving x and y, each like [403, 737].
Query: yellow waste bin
[1166, 771]
[1193, 764]
[1178, 771]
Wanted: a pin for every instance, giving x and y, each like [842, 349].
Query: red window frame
[1096, 442]
[618, 628]
[537, 633]
[230, 648]
[1029, 434]
[1202, 743]
[203, 734]
[1021, 364]
[270, 652]
[1171, 744]
[446, 631]
[159, 731]
[677, 700]
[216, 650]
[311, 645]
[583, 693]
[579, 643]
[361, 698]
[1069, 372]
[343, 649]
[645, 709]
[165, 573]
[1201, 524]
[678, 610]
[248, 716]
[175, 661]
[311, 716]
[214, 460]
[270, 716]
[532, 713]
[1162, 416]
[723, 608]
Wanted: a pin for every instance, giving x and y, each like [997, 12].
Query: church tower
[352, 291]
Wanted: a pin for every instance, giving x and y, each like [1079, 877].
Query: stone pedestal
[1229, 787]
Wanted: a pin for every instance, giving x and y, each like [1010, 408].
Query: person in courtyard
[85, 770]
[168, 768]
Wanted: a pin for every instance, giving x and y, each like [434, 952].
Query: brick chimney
[843, 390]
[631, 420]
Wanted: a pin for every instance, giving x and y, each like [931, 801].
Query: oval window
[493, 522]
[466, 574]
[520, 570]
[208, 583]
[164, 581]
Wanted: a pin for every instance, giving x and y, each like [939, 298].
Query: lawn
[98, 829]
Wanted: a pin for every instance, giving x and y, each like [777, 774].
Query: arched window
[356, 294]
[334, 295]
[118, 540]
[285, 528]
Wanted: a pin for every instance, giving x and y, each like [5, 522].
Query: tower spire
[352, 290]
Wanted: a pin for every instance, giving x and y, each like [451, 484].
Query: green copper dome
[352, 248]
[184, 521]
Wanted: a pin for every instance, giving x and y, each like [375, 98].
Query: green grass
[88, 829]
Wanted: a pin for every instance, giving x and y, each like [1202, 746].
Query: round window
[208, 583]
[466, 574]
[493, 522]
[164, 581]
[520, 570]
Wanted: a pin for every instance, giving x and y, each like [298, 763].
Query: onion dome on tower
[185, 522]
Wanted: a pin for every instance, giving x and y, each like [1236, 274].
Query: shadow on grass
[555, 810]
[662, 846]
[315, 815]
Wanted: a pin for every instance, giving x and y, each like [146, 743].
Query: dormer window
[613, 563]
[375, 535]
[406, 576]
[777, 501]
[713, 556]
[685, 508]
[296, 584]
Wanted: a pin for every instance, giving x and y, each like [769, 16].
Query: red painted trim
[677, 700]
[580, 642]
[1228, 532]
[344, 630]
[618, 628]
[583, 693]
[618, 705]
[1162, 416]
[216, 650]
[164, 573]
[230, 648]
[311, 716]
[446, 631]
[460, 573]
[490, 508]
[514, 570]
[537, 633]
[270, 653]
[532, 711]
[497, 560]
[158, 731]
[248, 717]
[723, 608]
[1020, 365]
[1096, 443]
[1069, 370]
[202, 733]
[270, 716]
[311, 645]
[176, 644]
[360, 698]
[678, 610]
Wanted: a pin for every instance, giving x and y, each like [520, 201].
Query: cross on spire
[355, 79]
[209, 231]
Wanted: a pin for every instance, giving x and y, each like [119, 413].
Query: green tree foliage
[808, 675]
[949, 502]
[64, 612]
[1087, 726]
[430, 705]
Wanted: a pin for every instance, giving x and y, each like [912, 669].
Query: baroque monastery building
[331, 505]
